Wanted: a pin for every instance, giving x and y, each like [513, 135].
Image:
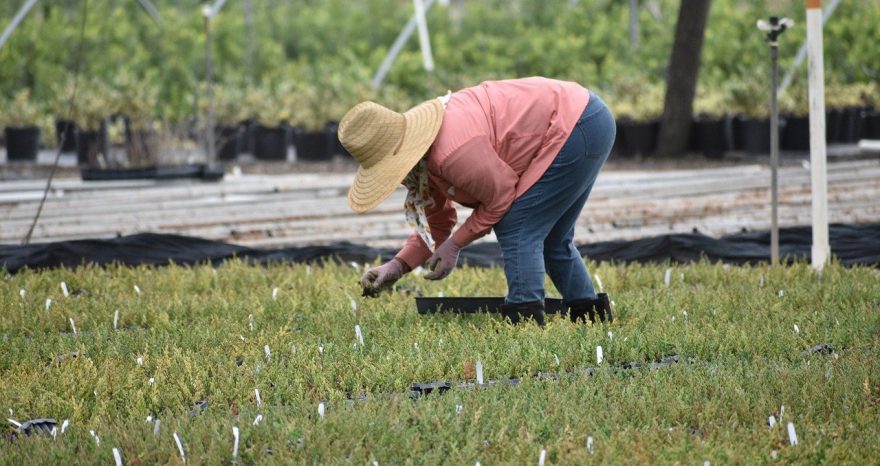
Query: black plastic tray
[471, 305]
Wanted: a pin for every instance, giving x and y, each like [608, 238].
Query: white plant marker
[477, 464]
[251, 322]
[610, 335]
[773, 454]
[180, 447]
[258, 419]
[308, 270]
[359, 334]
[72, 325]
[685, 314]
[440, 294]
[761, 281]
[667, 277]
[97, 439]
[149, 419]
[781, 412]
[116, 320]
[681, 275]
[598, 355]
[355, 266]
[781, 293]
[64, 425]
[459, 409]
[590, 444]
[22, 292]
[274, 294]
[235, 442]
[54, 433]
[64, 289]
[48, 303]
[599, 282]
[137, 290]
[152, 381]
[542, 457]
[771, 421]
[139, 361]
[797, 329]
[556, 359]
[11, 411]
[707, 463]
[792, 435]
[292, 348]
[354, 305]
[479, 372]
[267, 352]
[259, 400]
[156, 427]
[117, 457]
[321, 349]
[321, 410]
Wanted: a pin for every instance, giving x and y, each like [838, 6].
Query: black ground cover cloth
[850, 244]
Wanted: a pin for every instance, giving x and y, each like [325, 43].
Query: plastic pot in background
[851, 125]
[312, 145]
[871, 124]
[709, 136]
[753, 135]
[143, 148]
[833, 125]
[230, 141]
[66, 133]
[22, 143]
[90, 143]
[336, 147]
[270, 143]
[638, 137]
[797, 133]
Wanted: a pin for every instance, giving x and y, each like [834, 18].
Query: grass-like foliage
[189, 330]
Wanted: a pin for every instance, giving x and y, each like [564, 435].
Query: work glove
[443, 261]
[383, 276]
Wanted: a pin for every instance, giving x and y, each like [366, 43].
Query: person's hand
[383, 276]
[443, 261]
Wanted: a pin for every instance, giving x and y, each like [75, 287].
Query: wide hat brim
[373, 185]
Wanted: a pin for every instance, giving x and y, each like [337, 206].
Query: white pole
[802, 52]
[396, 47]
[424, 39]
[821, 249]
[22, 12]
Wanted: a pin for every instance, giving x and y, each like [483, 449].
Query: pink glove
[383, 276]
[443, 261]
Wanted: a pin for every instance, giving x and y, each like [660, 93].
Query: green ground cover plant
[186, 334]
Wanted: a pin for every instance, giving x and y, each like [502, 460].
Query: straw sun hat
[387, 145]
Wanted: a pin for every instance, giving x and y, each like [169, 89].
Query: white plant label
[354, 304]
[707, 463]
[321, 349]
[151, 381]
[771, 421]
[459, 409]
[781, 412]
[359, 334]
[116, 320]
[781, 293]
[48, 303]
[251, 322]
[598, 355]
[761, 281]
[590, 444]
[139, 361]
[479, 372]
[292, 348]
[556, 359]
[54, 433]
[610, 335]
[64, 289]
[149, 419]
[22, 292]
[797, 329]
[321, 410]
[258, 419]
[599, 283]
[11, 411]
[267, 352]
[774, 454]
[72, 325]
[93, 434]
[792, 435]
[156, 427]
[259, 400]
[235, 438]
[179, 447]
[137, 290]
[117, 457]
[542, 458]
[308, 270]
[667, 277]
[64, 425]
[355, 266]
[274, 294]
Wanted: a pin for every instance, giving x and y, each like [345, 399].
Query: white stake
[321, 349]
[556, 359]
[321, 410]
[116, 320]
[22, 292]
[292, 348]
[542, 457]
[707, 463]
[97, 439]
[274, 294]
[610, 335]
[359, 334]
[818, 155]
[179, 447]
[259, 400]
[268, 353]
[139, 361]
[354, 305]
[251, 322]
[54, 433]
[235, 442]
[792, 435]
[72, 325]
[459, 409]
[48, 303]
[64, 425]
[137, 290]
[479, 372]
[667, 277]
[590, 444]
[598, 282]
[64, 289]
[761, 281]
[781, 412]
[117, 456]
[598, 355]
[156, 426]
[151, 381]
[308, 270]
[796, 329]
[258, 419]
[781, 293]
[771, 421]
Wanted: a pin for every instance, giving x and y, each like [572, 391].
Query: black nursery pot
[336, 147]
[871, 124]
[270, 143]
[851, 125]
[710, 137]
[755, 134]
[90, 143]
[638, 137]
[66, 133]
[797, 133]
[470, 305]
[312, 145]
[834, 125]
[22, 143]
[230, 142]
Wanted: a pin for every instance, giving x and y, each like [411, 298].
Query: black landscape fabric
[850, 245]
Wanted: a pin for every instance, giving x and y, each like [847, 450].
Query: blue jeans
[536, 234]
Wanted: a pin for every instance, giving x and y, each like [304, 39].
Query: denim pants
[536, 234]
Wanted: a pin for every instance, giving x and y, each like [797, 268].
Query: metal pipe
[774, 157]
[19, 17]
[209, 78]
[397, 46]
[634, 23]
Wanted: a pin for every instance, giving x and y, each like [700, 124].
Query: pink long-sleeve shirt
[496, 140]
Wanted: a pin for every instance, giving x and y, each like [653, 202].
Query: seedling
[179, 447]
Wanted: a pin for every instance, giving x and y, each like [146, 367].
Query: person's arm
[441, 218]
[477, 169]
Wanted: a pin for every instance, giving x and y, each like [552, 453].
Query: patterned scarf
[418, 197]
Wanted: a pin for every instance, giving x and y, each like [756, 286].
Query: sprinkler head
[775, 27]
